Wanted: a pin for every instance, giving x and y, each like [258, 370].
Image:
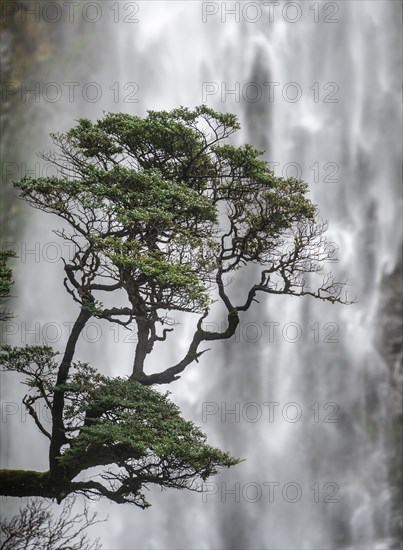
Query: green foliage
[36, 362]
[134, 424]
[93, 307]
[135, 430]
[160, 207]
[150, 197]
[39, 366]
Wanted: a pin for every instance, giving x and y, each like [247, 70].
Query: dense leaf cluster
[163, 203]
[137, 432]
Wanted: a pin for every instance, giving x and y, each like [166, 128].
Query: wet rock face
[390, 339]
[390, 345]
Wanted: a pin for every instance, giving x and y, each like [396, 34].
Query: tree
[164, 209]
[35, 527]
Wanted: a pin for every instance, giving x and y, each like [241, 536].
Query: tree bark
[28, 483]
[58, 435]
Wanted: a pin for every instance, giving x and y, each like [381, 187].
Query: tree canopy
[163, 208]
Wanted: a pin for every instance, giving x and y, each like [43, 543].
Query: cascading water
[342, 134]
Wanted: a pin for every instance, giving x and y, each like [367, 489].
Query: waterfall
[316, 86]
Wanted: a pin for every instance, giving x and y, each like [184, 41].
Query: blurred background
[308, 393]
